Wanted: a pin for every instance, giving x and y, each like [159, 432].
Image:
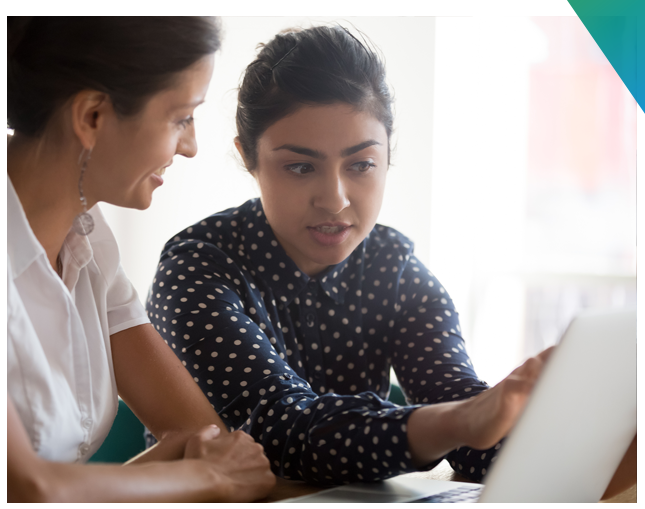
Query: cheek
[157, 144]
[281, 201]
[369, 199]
[150, 141]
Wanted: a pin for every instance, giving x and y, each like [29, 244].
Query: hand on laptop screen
[479, 422]
[491, 415]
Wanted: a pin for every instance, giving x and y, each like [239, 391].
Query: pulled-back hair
[319, 65]
[129, 58]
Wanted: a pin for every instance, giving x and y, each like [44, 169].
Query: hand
[489, 416]
[242, 470]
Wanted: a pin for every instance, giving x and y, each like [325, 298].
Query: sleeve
[124, 309]
[430, 358]
[196, 305]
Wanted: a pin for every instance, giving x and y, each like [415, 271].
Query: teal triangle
[618, 27]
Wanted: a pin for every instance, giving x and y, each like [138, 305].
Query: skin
[307, 176]
[214, 465]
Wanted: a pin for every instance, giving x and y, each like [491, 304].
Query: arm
[479, 422]
[241, 367]
[213, 473]
[159, 390]
[433, 367]
[437, 368]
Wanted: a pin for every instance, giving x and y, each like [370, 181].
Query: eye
[185, 122]
[363, 166]
[299, 168]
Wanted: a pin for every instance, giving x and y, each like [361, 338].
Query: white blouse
[60, 374]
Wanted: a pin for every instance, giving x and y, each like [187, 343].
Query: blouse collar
[24, 248]
[290, 282]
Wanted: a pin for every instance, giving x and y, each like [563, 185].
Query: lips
[330, 233]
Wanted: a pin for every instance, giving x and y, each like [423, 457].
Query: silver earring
[83, 223]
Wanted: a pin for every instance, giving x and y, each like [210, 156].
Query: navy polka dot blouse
[303, 363]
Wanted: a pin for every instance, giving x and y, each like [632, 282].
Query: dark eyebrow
[319, 155]
[302, 151]
[357, 148]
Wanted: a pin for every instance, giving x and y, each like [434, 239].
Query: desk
[288, 489]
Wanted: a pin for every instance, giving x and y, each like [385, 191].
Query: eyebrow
[304, 151]
[316, 154]
[357, 148]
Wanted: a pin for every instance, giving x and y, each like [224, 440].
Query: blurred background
[513, 170]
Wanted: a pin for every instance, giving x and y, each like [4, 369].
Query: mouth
[330, 234]
[161, 171]
[330, 228]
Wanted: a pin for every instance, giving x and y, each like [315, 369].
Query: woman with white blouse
[99, 108]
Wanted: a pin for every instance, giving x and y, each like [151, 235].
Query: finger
[545, 354]
[529, 370]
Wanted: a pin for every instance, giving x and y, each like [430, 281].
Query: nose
[331, 195]
[187, 144]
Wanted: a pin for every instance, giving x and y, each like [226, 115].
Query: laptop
[579, 421]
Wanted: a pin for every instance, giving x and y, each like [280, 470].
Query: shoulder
[390, 258]
[385, 237]
[388, 244]
[222, 231]
[211, 249]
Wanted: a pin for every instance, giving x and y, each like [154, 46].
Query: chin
[144, 204]
[331, 258]
[137, 203]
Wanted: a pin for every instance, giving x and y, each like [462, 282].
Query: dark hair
[130, 58]
[319, 65]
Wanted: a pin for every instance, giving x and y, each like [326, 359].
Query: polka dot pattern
[302, 364]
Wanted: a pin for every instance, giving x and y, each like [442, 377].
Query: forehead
[324, 127]
[188, 88]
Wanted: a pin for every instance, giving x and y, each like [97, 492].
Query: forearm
[185, 481]
[170, 447]
[434, 431]
[157, 387]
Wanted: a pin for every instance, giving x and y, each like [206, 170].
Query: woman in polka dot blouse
[289, 310]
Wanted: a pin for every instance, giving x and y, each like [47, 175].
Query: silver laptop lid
[579, 420]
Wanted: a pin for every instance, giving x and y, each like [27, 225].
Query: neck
[46, 182]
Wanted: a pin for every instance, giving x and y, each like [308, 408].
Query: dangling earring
[83, 223]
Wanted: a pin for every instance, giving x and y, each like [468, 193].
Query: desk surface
[289, 489]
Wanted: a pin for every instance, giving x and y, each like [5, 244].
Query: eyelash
[291, 167]
[369, 165]
[184, 123]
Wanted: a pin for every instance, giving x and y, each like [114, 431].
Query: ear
[89, 112]
[238, 146]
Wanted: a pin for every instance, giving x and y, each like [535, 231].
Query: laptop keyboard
[457, 495]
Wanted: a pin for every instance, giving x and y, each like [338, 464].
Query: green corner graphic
[618, 27]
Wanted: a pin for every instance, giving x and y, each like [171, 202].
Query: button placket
[312, 331]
